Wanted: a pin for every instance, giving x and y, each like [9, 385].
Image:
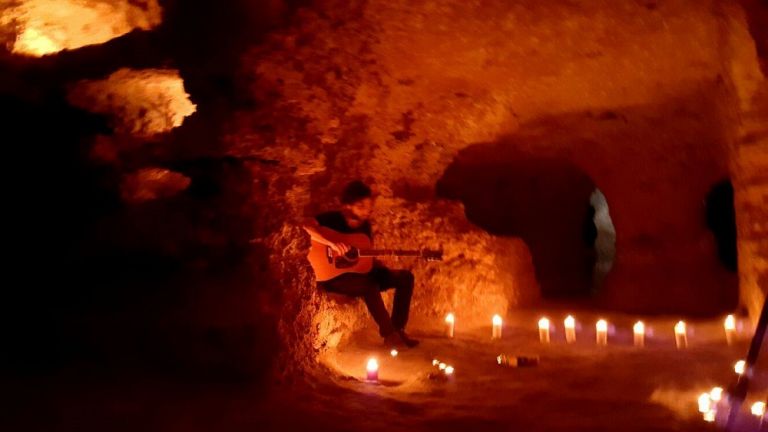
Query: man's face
[362, 209]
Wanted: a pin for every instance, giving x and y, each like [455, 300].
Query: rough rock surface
[142, 103]
[41, 27]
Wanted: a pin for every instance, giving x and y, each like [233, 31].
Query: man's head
[357, 200]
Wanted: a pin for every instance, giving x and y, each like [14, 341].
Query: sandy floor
[578, 387]
[575, 387]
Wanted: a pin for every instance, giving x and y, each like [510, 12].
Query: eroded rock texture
[41, 27]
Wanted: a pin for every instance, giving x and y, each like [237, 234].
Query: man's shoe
[409, 342]
[395, 340]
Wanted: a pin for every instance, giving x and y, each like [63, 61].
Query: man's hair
[355, 191]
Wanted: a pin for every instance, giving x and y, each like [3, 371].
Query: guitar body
[327, 265]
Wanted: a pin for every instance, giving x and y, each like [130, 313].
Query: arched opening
[604, 240]
[548, 202]
[721, 220]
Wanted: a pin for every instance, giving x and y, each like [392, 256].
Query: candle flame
[544, 324]
[497, 320]
[498, 359]
[449, 370]
[716, 394]
[394, 353]
[442, 366]
[450, 318]
[435, 362]
[709, 416]
[602, 325]
[639, 328]
[730, 322]
[373, 365]
[705, 403]
[758, 409]
[569, 322]
[680, 327]
[739, 367]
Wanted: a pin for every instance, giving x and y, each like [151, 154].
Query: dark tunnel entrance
[721, 220]
[548, 202]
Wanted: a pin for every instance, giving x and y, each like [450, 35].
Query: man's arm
[310, 225]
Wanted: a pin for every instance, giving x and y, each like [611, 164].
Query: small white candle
[372, 369]
[739, 367]
[681, 335]
[639, 331]
[544, 330]
[709, 416]
[602, 332]
[716, 394]
[705, 403]
[758, 409]
[570, 329]
[496, 332]
[730, 328]
[450, 321]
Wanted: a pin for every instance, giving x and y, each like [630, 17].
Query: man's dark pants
[369, 287]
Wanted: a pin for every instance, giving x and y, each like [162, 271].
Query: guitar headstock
[432, 255]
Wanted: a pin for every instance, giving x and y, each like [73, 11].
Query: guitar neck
[389, 252]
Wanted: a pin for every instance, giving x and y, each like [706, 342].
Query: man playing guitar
[357, 206]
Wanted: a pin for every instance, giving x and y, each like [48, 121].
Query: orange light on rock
[730, 328]
[496, 331]
[602, 332]
[544, 330]
[681, 335]
[639, 333]
[570, 329]
[450, 321]
[739, 367]
[372, 370]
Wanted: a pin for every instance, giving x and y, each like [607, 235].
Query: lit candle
[602, 332]
[450, 320]
[716, 394]
[372, 370]
[730, 328]
[758, 409]
[681, 335]
[705, 403]
[435, 362]
[496, 332]
[442, 366]
[639, 330]
[709, 416]
[449, 370]
[393, 353]
[570, 329]
[739, 367]
[544, 330]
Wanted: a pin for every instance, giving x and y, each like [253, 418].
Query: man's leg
[402, 281]
[358, 285]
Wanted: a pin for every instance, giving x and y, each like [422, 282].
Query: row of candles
[601, 327]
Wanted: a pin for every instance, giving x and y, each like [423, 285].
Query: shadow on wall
[544, 201]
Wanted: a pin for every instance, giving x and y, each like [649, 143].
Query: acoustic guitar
[327, 264]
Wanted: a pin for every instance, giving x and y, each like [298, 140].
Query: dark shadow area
[164, 287]
[544, 201]
[721, 220]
